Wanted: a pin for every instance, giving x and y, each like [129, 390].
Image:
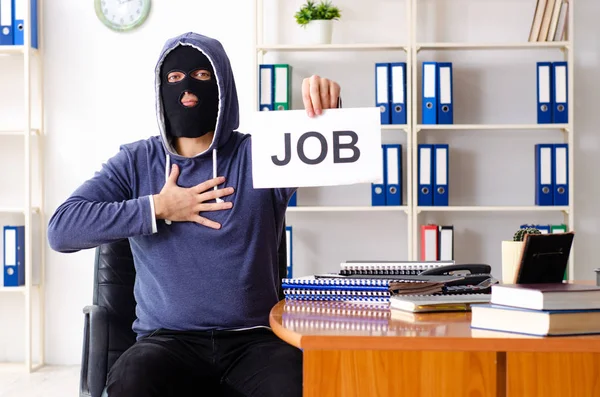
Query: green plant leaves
[322, 11]
[520, 234]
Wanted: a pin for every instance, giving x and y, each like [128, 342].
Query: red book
[429, 242]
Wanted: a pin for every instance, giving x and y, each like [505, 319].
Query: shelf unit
[262, 49]
[32, 139]
[341, 208]
[412, 49]
[566, 47]
[331, 47]
[492, 208]
[487, 46]
[420, 127]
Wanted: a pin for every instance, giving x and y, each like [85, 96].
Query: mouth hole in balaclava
[189, 97]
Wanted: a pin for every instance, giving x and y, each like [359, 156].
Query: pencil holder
[511, 254]
[512, 251]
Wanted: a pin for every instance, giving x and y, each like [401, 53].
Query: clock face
[122, 15]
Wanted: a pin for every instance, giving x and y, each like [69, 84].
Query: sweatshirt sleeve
[103, 209]
[283, 195]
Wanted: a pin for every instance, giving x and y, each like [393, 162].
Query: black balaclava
[196, 121]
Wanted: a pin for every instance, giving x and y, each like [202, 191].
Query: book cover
[547, 296]
[551, 287]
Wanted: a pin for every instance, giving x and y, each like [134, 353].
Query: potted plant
[317, 20]
[511, 253]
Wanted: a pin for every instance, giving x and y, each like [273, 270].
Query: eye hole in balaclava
[189, 93]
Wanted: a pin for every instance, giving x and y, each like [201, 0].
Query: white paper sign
[338, 147]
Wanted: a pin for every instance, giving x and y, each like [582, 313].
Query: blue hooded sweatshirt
[189, 277]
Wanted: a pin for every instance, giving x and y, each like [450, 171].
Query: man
[204, 240]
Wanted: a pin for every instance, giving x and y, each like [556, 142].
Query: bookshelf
[332, 47]
[491, 46]
[415, 49]
[347, 208]
[423, 51]
[25, 206]
[441, 127]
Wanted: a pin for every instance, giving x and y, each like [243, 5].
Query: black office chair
[108, 321]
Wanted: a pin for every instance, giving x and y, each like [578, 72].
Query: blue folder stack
[437, 93]
[552, 92]
[433, 174]
[552, 174]
[389, 192]
[390, 91]
[13, 24]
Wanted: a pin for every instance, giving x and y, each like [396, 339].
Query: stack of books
[359, 290]
[540, 309]
[401, 283]
[367, 281]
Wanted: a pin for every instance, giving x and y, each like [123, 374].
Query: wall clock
[122, 15]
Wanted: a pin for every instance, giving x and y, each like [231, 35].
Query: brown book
[561, 28]
[546, 19]
[547, 296]
[537, 20]
[554, 21]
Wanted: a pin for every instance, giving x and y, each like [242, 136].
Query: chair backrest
[114, 277]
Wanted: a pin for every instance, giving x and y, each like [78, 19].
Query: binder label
[5, 16]
[561, 166]
[546, 166]
[561, 84]
[544, 84]
[266, 87]
[10, 247]
[425, 164]
[382, 85]
[339, 147]
[445, 88]
[441, 161]
[429, 77]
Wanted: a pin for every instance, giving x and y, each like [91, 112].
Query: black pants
[214, 363]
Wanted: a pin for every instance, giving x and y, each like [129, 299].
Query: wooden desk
[383, 352]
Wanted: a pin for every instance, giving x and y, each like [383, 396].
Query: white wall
[99, 93]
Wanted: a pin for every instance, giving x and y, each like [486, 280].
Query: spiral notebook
[359, 298]
[335, 285]
[378, 267]
[360, 290]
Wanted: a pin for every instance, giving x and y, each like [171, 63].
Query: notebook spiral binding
[382, 268]
[337, 297]
[343, 282]
[300, 291]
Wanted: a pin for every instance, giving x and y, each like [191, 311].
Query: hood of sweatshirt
[228, 113]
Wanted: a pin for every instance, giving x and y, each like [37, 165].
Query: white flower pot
[511, 255]
[319, 31]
